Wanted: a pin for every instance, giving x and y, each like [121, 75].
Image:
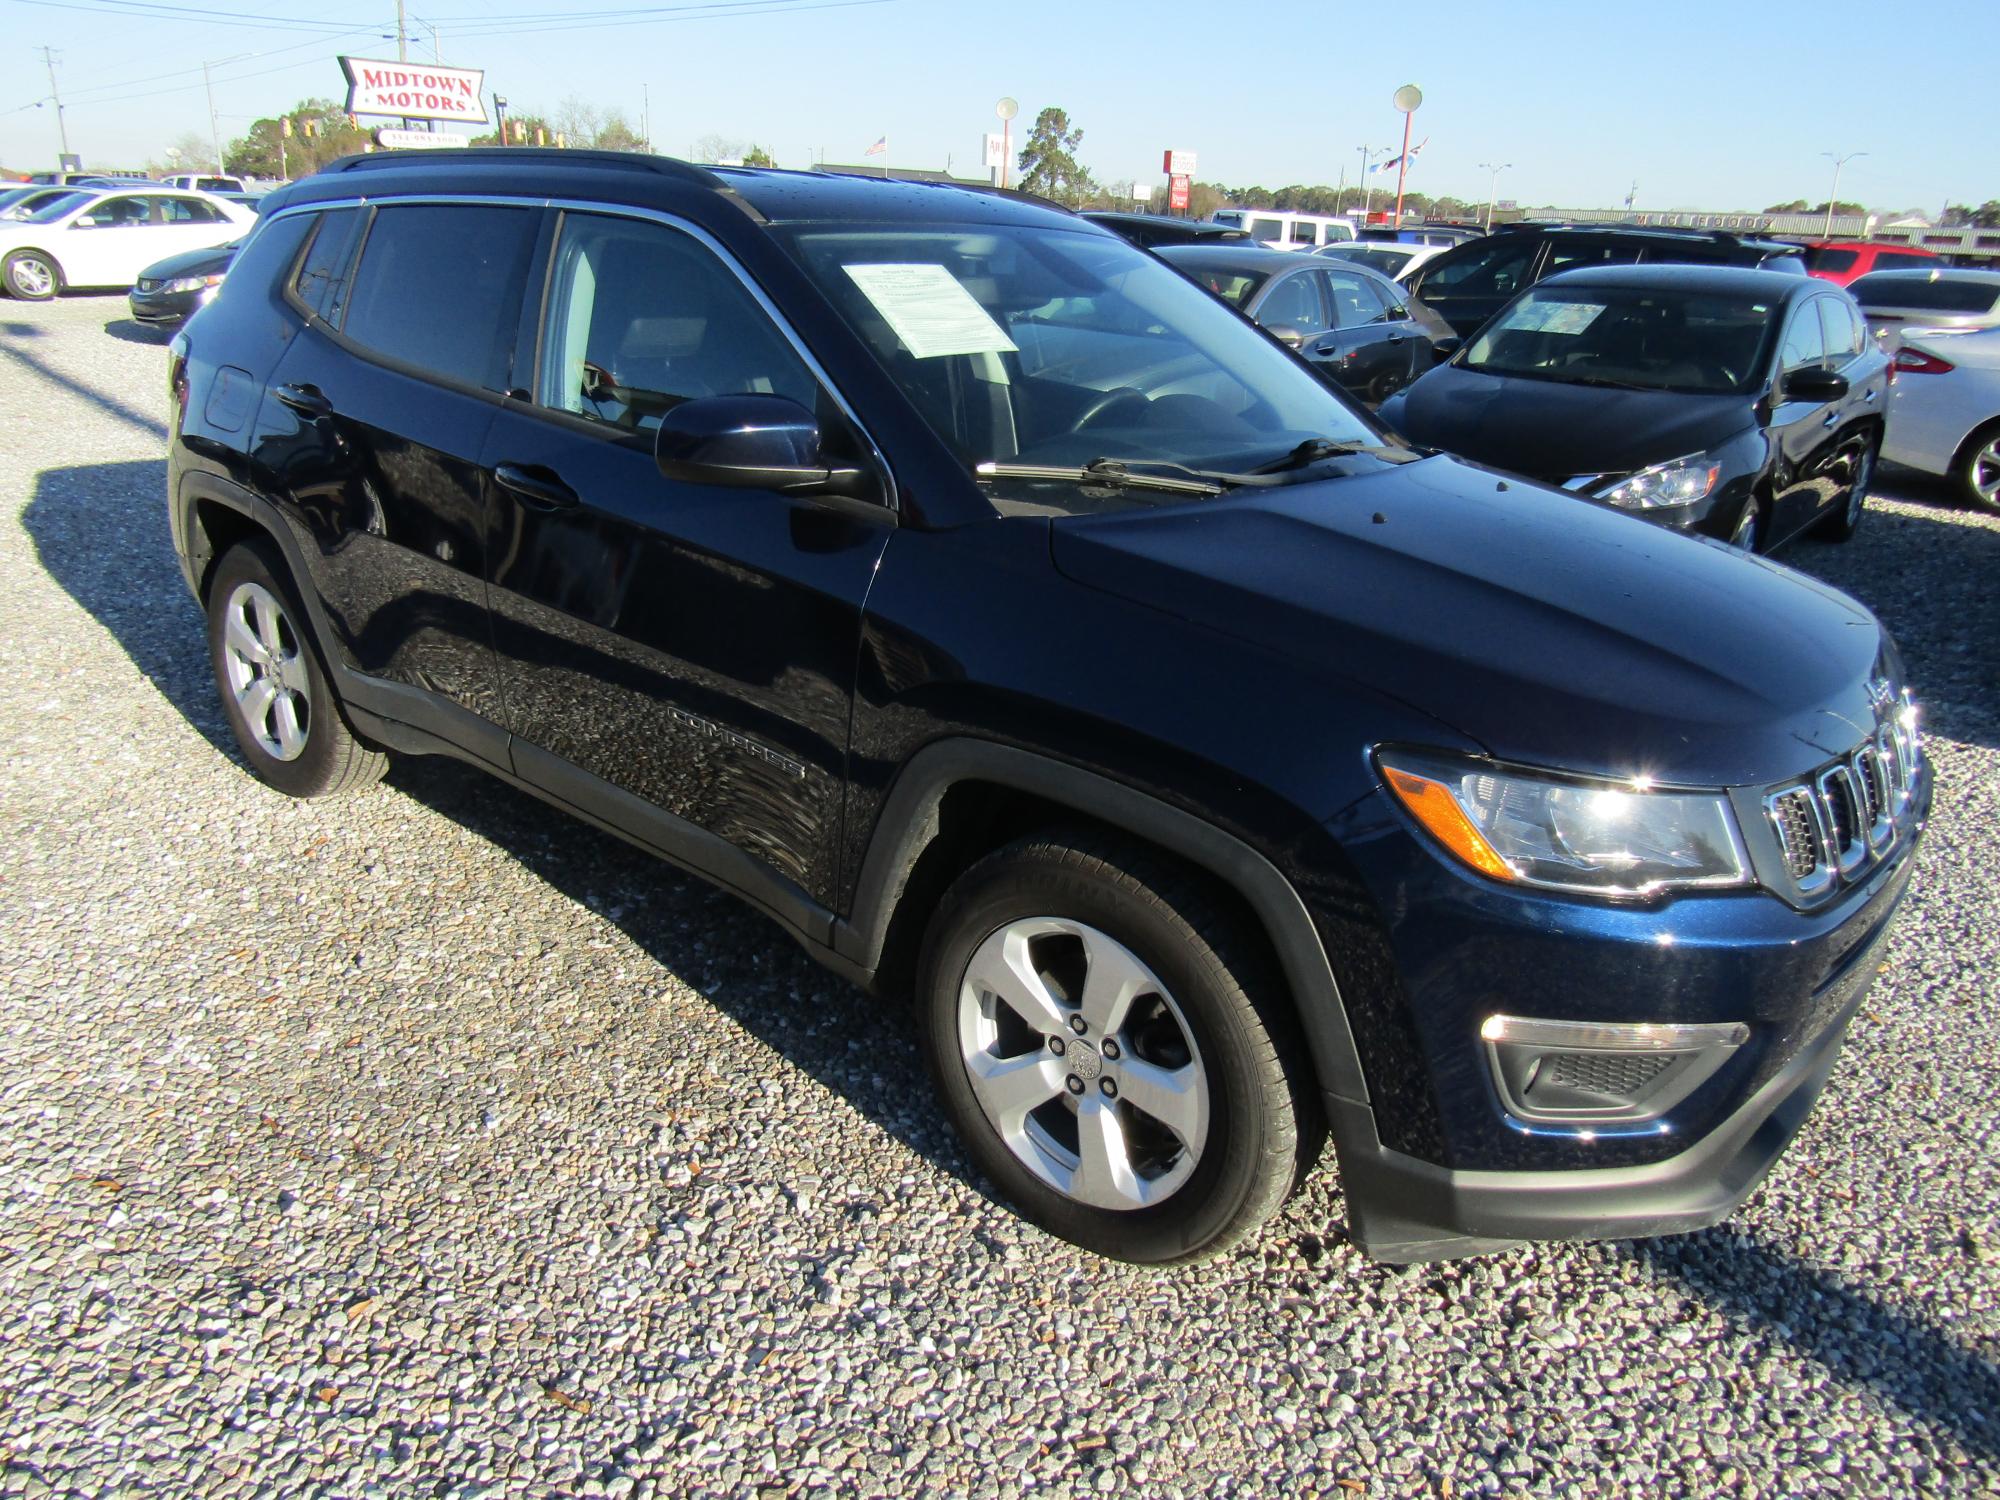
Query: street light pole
[1367, 187]
[1493, 188]
[214, 130]
[1838, 163]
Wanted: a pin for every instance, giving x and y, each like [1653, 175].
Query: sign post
[1006, 109]
[1407, 98]
[1179, 167]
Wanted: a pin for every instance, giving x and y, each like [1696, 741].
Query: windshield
[1048, 346]
[1648, 338]
[55, 208]
[1388, 259]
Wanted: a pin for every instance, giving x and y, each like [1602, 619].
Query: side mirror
[1813, 384]
[1444, 349]
[1286, 334]
[758, 443]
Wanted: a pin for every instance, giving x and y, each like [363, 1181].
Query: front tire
[275, 691]
[32, 276]
[1108, 1045]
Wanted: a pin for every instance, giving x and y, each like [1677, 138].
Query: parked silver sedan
[1944, 297]
[1944, 411]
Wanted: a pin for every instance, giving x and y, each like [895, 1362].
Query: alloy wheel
[1986, 473]
[1082, 1063]
[31, 277]
[267, 671]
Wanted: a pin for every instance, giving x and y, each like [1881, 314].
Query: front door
[691, 646]
[1807, 430]
[112, 236]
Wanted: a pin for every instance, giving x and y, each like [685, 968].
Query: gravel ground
[428, 1143]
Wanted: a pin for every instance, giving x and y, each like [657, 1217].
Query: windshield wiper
[1604, 382]
[1312, 450]
[1109, 472]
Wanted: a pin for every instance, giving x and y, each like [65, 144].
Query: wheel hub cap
[265, 673]
[1116, 1127]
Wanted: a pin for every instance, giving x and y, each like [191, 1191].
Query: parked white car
[206, 182]
[1944, 411]
[103, 237]
[1280, 229]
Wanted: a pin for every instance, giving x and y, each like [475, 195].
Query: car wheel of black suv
[32, 277]
[275, 691]
[1105, 1041]
[1843, 523]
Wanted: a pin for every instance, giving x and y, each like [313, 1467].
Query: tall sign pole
[1006, 109]
[1407, 98]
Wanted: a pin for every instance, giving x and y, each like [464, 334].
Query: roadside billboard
[415, 91]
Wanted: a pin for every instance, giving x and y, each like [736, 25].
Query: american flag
[881, 145]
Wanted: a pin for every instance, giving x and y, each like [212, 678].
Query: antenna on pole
[62, 126]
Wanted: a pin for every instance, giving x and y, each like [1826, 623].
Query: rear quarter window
[1942, 295]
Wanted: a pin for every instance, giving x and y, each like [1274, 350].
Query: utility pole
[214, 130]
[62, 126]
[1493, 188]
[646, 116]
[402, 35]
[1838, 163]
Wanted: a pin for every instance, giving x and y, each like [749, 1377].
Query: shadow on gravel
[1863, 1340]
[23, 331]
[100, 531]
[1929, 576]
[132, 331]
[151, 426]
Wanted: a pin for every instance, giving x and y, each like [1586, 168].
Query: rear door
[1368, 351]
[372, 427]
[189, 224]
[690, 647]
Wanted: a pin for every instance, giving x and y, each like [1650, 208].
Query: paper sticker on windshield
[1537, 316]
[929, 311]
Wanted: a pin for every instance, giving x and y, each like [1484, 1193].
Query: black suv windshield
[1023, 345]
[1647, 338]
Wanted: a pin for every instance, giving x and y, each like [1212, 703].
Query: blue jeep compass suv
[1028, 634]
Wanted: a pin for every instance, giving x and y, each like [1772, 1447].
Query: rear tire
[1112, 1049]
[32, 276]
[1843, 523]
[275, 690]
[1977, 472]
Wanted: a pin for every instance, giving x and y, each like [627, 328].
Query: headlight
[1681, 482]
[192, 283]
[1602, 838]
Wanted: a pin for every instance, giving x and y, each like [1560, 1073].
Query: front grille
[1830, 825]
[1612, 1073]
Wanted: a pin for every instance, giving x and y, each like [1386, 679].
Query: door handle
[306, 400]
[1871, 394]
[1832, 419]
[536, 491]
[1325, 347]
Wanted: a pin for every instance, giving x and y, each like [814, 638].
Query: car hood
[190, 263]
[1550, 629]
[1552, 430]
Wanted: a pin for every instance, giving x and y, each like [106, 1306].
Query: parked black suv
[1467, 285]
[1020, 628]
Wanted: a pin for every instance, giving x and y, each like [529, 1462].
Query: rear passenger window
[321, 283]
[439, 287]
[642, 317]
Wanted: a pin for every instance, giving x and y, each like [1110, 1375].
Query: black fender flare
[909, 820]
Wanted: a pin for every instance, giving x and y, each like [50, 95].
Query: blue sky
[1710, 105]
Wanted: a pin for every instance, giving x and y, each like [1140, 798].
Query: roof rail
[630, 161]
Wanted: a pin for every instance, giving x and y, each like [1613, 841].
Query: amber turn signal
[1432, 804]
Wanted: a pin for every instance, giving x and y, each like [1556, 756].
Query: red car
[1840, 261]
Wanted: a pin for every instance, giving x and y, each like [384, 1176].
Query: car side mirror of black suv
[760, 443]
[1812, 384]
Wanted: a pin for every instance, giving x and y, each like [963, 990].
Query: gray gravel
[427, 1143]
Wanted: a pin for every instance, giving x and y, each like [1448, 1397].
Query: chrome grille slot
[1797, 821]
[1845, 841]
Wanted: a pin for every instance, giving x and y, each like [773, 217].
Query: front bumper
[167, 307]
[1402, 1209]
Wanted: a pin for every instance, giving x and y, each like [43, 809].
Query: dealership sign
[414, 91]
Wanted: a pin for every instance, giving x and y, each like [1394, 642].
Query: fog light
[1585, 1072]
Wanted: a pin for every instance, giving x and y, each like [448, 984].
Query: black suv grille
[1843, 817]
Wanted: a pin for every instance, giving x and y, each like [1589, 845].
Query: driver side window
[642, 317]
[1805, 345]
[1293, 303]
